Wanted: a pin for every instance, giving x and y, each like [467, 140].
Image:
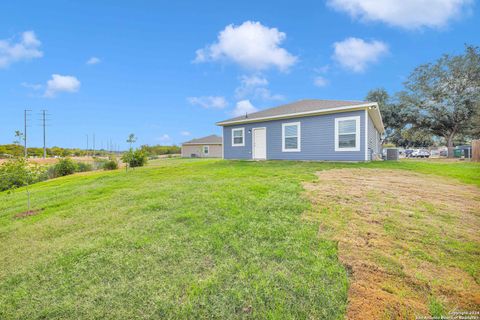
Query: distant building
[206, 147]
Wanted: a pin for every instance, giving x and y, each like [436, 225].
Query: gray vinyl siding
[317, 139]
[374, 143]
[215, 151]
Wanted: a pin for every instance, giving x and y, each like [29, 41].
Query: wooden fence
[476, 150]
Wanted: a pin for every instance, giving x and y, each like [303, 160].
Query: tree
[19, 137]
[134, 159]
[399, 120]
[472, 130]
[131, 139]
[446, 94]
[389, 114]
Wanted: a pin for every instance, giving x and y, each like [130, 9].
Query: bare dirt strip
[410, 242]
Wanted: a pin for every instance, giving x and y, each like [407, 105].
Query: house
[206, 147]
[306, 130]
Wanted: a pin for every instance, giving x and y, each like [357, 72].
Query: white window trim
[208, 150]
[357, 133]
[299, 136]
[243, 135]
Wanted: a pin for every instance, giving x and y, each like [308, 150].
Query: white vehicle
[420, 153]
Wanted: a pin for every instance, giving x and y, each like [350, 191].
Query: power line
[44, 120]
[26, 114]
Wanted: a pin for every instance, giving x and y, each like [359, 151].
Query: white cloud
[164, 138]
[185, 133]
[60, 83]
[255, 86]
[356, 54]
[33, 86]
[253, 80]
[408, 14]
[320, 81]
[251, 45]
[243, 107]
[209, 102]
[93, 60]
[25, 49]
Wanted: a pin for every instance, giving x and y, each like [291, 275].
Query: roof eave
[300, 114]
[200, 143]
[378, 121]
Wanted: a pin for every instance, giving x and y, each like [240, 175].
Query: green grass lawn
[177, 239]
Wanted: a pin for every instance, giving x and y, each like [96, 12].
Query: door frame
[253, 142]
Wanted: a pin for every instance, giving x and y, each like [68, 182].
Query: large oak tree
[446, 94]
[399, 120]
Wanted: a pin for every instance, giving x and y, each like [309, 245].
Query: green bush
[160, 150]
[110, 165]
[64, 167]
[136, 158]
[50, 173]
[84, 167]
[18, 172]
[98, 163]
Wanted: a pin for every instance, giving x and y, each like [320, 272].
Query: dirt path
[410, 242]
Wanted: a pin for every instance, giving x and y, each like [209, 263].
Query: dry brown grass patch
[407, 238]
[28, 213]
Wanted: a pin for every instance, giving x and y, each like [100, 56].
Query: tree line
[440, 103]
[16, 150]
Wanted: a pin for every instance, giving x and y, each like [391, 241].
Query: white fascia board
[196, 144]
[299, 114]
[377, 117]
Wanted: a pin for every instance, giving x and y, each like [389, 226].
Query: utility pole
[87, 147]
[25, 123]
[93, 154]
[44, 120]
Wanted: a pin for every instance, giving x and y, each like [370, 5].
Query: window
[347, 134]
[205, 149]
[238, 137]
[291, 137]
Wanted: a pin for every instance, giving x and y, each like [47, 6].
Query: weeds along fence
[476, 150]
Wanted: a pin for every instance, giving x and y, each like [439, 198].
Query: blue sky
[168, 70]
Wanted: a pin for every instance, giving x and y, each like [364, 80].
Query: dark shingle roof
[309, 105]
[212, 139]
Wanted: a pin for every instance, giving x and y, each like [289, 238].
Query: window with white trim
[238, 137]
[206, 150]
[347, 134]
[291, 137]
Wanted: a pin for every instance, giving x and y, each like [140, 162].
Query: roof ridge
[299, 106]
[205, 139]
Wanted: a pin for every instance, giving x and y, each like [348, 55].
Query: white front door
[259, 143]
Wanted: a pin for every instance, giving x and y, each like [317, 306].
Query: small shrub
[136, 158]
[84, 167]
[50, 173]
[18, 172]
[64, 167]
[98, 163]
[110, 165]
